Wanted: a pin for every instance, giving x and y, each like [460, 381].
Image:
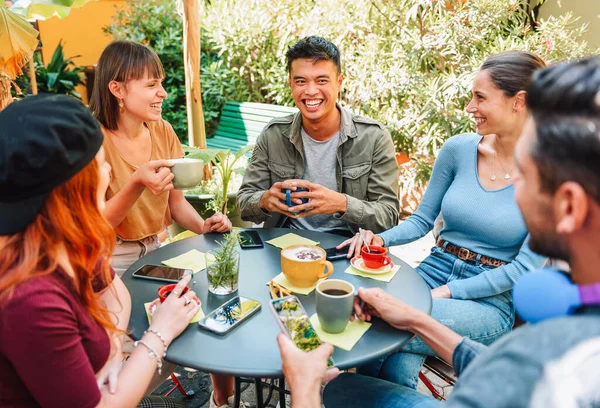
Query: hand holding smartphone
[294, 322]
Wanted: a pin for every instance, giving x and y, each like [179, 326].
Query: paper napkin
[290, 239]
[344, 340]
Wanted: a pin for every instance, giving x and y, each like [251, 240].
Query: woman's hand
[217, 223]
[107, 376]
[442, 292]
[173, 315]
[355, 243]
[155, 176]
[375, 302]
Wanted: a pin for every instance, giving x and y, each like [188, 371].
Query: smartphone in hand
[294, 322]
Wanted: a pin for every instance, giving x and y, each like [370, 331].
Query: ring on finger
[176, 293]
[187, 300]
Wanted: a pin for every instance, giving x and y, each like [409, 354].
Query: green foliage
[61, 76]
[229, 168]
[224, 270]
[407, 63]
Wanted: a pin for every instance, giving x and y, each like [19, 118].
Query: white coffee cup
[188, 172]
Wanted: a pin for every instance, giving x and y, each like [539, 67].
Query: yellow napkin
[384, 277]
[290, 239]
[344, 340]
[282, 280]
[194, 260]
[196, 318]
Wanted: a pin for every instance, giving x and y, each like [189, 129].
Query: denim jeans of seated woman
[483, 320]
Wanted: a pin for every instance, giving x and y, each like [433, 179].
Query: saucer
[359, 264]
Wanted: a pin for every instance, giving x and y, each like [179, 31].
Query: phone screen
[294, 322]
[225, 317]
[250, 239]
[160, 272]
[334, 253]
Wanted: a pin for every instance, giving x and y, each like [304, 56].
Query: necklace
[506, 173]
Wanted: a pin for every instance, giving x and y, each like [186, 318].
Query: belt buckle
[463, 253]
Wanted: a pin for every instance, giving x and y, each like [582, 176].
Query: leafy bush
[407, 63]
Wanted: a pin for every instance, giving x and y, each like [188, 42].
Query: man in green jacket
[345, 161]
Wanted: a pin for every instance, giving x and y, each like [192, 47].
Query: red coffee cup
[166, 290]
[376, 258]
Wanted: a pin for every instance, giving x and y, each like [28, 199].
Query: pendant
[493, 177]
[507, 176]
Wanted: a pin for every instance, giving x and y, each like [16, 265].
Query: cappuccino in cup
[304, 265]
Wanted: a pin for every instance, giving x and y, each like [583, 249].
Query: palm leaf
[18, 41]
[43, 9]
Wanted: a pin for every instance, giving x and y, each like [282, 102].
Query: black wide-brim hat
[44, 141]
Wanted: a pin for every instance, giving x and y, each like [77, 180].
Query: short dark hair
[315, 48]
[511, 71]
[120, 61]
[564, 101]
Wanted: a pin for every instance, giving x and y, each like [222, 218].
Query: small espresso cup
[376, 258]
[335, 299]
[188, 172]
[166, 290]
[303, 265]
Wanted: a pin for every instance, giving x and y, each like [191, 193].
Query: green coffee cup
[335, 299]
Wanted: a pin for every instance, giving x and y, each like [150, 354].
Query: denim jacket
[367, 172]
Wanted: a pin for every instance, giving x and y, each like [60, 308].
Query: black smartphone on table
[250, 239]
[295, 324]
[333, 254]
[229, 315]
[161, 273]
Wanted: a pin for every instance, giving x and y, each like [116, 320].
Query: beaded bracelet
[157, 333]
[151, 353]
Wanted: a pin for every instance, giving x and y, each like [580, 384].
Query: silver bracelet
[151, 353]
[157, 333]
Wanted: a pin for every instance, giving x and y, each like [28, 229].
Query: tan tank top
[150, 214]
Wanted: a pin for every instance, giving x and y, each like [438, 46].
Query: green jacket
[367, 172]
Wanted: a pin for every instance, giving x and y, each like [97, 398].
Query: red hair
[70, 221]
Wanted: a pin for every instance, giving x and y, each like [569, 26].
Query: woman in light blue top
[482, 249]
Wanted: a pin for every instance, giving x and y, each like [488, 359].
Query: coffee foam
[302, 251]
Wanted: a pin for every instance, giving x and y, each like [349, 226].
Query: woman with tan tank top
[141, 200]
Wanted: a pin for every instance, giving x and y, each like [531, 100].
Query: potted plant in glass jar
[223, 265]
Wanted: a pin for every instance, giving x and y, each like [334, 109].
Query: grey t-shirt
[506, 373]
[320, 159]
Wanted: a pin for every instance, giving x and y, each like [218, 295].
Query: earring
[121, 107]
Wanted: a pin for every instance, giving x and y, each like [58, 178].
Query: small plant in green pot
[223, 265]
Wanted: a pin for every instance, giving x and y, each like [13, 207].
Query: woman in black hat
[63, 311]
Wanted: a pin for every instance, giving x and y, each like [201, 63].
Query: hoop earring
[121, 107]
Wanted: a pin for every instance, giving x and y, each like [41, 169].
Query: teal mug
[335, 300]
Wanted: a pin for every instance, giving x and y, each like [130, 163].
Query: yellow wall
[81, 32]
[587, 10]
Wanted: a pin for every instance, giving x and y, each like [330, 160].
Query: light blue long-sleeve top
[487, 222]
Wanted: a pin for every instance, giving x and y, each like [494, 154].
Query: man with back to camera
[558, 192]
[345, 161]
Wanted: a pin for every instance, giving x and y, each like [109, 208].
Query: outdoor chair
[242, 122]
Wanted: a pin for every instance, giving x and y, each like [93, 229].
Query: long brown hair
[121, 61]
[69, 219]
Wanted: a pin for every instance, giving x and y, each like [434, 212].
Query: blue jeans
[483, 320]
[352, 390]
